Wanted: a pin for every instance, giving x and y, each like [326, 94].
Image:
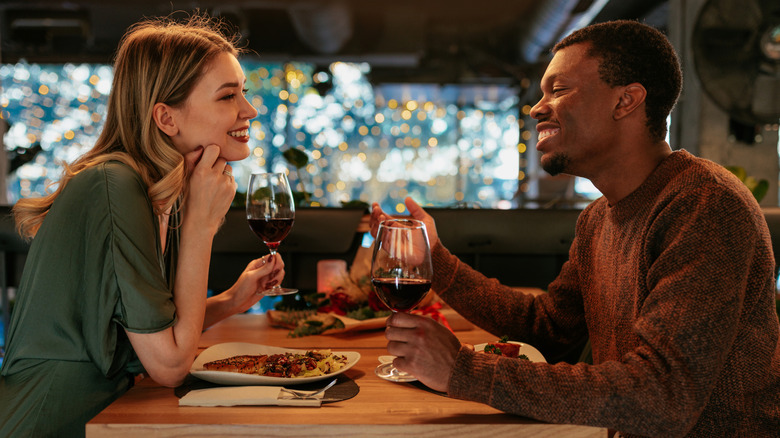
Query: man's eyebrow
[549, 79]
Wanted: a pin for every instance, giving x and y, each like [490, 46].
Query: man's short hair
[629, 52]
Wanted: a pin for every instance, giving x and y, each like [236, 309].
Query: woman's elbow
[168, 376]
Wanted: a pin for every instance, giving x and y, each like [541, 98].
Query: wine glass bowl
[270, 212]
[401, 273]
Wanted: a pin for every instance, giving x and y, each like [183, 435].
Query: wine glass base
[388, 372]
[279, 291]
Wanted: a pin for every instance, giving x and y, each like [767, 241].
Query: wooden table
[381, 408]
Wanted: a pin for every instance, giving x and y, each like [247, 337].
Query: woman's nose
[248, 111]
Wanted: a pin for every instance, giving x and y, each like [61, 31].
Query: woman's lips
[241, 135]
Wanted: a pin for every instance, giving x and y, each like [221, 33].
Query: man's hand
[423, 348]
[417, 212]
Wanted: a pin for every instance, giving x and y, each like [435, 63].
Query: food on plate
[504, 348]
[247, 364]
[293, 365]
[304, 322]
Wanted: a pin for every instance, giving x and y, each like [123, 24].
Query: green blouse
[94, 270]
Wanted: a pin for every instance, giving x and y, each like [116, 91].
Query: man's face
[575, 114]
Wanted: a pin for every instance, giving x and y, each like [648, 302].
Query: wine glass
[401, 273]
[270, 211]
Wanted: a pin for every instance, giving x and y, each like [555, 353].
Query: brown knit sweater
[674, 285]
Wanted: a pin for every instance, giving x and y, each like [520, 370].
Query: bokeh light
[444, 145]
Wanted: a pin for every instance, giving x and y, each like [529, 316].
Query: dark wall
[519, 247]
[318, 233]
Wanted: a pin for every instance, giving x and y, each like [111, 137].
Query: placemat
[344, 389]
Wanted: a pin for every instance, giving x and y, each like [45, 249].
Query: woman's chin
[235, 153]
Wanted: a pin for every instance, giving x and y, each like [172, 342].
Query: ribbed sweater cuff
[472, 376]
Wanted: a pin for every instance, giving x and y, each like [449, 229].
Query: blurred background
[367, 101]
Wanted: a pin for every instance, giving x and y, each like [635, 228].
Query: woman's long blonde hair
[159, 60]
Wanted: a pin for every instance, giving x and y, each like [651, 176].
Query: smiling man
[670, 276]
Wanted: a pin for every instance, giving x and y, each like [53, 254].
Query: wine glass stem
[275, 288]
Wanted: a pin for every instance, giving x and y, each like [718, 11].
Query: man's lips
[546, 133]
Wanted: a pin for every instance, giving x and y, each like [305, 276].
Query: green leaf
[739, 171]
[239, 200]
[300, 198]
[296, 157]
[760, 190]
[355, 204]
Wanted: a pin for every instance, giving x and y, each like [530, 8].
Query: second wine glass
[401, 273]
[270, 211]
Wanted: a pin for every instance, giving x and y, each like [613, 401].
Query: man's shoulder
[704, 167]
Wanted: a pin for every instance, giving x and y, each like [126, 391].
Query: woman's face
[216, 112]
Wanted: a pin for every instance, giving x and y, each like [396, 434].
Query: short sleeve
[145, 299]
[94, 266]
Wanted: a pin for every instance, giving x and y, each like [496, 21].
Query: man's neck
[624, 177]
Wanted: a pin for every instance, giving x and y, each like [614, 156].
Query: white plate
[533, 354]
[222, 351]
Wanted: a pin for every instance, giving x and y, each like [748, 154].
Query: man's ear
[632, 97]
[163, 118]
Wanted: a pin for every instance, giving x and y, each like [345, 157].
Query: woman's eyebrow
[231, 85]
[228, 85]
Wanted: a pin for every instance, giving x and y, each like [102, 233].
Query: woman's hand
[210, 190]
[258, 276]
[417, 212]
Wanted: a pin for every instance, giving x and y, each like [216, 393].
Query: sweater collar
[637, 200]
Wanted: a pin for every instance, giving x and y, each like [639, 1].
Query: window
[445, 145]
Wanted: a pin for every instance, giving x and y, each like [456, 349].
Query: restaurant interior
[383, 100]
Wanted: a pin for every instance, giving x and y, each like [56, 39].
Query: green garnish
[492, 349]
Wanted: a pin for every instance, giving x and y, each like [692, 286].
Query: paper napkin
[245, 396]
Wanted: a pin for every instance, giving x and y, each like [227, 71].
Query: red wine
[401, 294]
[271, 231]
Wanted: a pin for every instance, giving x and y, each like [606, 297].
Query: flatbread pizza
[291, 365]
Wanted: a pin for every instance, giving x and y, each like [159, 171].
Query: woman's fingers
[192, 158]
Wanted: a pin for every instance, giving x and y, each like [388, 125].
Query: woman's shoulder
[110, 183]
[113, 174]
[111, 169]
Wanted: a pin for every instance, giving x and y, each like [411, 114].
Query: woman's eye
[228, 97]
[244, 91]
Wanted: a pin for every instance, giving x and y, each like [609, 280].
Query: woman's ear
[163, 118]
[632, 97]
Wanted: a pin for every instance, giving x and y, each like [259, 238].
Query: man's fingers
[414, 208]
[404, 320]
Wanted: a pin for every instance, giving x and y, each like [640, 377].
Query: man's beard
[558, 163]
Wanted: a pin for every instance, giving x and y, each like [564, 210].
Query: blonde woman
[116, 278]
